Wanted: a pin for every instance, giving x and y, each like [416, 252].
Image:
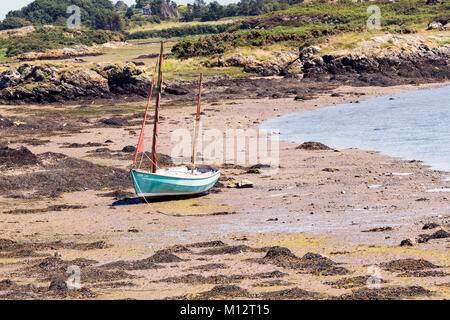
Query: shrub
[179, 31]
[52, 38]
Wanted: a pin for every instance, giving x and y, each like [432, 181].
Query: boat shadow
[137, 200]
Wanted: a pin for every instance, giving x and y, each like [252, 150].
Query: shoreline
[303, 208]
[383, 152]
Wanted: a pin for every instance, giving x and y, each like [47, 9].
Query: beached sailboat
[175, 181]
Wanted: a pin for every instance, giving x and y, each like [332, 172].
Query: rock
[129, 149]
[378, 229]
[114, 122]
[10, 78]
[308, 52]
[10, 157]
[416, 61]
[430, 225]
[244, 184]
[271, 67]
[65, 53]
[58, 285]
[168, 11]
[45, 83]
[406, 242]
[5, 123]
[330, 170]
[434, 25]
[175, 91]
[279, 252]
[126, 78]
[254, 170]
[239, 60]
[311, 145]
[440, 234]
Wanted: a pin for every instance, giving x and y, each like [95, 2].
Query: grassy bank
[313, 22]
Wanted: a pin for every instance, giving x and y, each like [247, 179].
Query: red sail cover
[140, 146]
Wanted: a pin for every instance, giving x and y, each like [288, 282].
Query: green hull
[149, 184]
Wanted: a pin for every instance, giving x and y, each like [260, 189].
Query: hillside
[47, 12]
[314, 22]
[277, 43]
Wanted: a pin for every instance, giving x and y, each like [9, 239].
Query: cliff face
[169, 12]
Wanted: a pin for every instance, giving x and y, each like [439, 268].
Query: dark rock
[164, 256]
[277, 252]
[440, 234]
[379, 229]
[129, 149]
[5, 123]
[402, 265]
[311, 145]
[176, 91]
[17, 157]
[421, 63]
[114, 122]
[406, 242]
[58, 285]
[41, 83]
[430, 225]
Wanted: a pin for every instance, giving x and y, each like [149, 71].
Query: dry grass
[177, 24]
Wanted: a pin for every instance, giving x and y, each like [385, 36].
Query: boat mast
[156, 119]
[140, 146]
[197, 123]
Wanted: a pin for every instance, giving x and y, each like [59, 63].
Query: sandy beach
[341, 216]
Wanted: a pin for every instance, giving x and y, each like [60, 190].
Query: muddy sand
[331, 224]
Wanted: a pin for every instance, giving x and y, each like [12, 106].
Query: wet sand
[355, 215]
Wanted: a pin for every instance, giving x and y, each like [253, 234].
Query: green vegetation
[52, 38]
[214, 10]
[219, 44]
[180, 31]
[45, 12]
[296, 25]
[165, 9]
[312, 22]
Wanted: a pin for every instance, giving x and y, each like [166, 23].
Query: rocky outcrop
[16, 32]
[417, 65]
[281, 62]
[66, 53]
[168, 11]
[46, 83]
[384, 60]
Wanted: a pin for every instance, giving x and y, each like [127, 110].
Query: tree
[142, 3]
[108, 20]
[14, 22]
[129, 13]
[41, 12]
